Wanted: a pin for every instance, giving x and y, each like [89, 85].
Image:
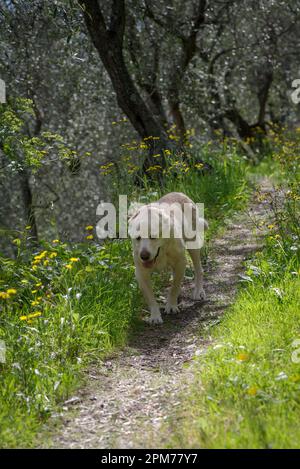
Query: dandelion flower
[252, 391]
[243, 357]
[90, 237]
[31, 316]
[35, 303]
[4, 295]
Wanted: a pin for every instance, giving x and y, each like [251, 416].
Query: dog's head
[147, 229]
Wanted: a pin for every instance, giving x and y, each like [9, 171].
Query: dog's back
[178, 198]
[175, 198]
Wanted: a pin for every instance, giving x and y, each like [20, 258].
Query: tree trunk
[28, 205]
[177, 117]
[108, 41]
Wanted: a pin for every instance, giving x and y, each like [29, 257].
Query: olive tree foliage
[227, 64]
[46, 57]
[248, 68]
[224, 65]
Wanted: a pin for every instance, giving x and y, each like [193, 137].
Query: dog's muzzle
[150, 263]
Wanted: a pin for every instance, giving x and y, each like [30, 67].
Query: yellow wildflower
[74, 259]
[89, 227]
[52, 255]
[252, 391]
[30, 316]
[294, 378]
[41, 255]
[68, 266]
[35, 303]
[90, 237]
[154, 168]
[243, 357]
[4, 295]
[11, 291]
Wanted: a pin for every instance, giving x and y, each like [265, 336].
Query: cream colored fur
[158, 253]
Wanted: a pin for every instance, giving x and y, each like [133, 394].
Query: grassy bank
[246, 388]
[63, 306]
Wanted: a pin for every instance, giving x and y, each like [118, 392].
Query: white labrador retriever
[160, 232]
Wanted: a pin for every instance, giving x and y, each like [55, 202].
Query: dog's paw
[154, 320]
[155, 317]
[199, 295]
[169, 308]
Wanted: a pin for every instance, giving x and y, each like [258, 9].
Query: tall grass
[63, 306]
[246, 388]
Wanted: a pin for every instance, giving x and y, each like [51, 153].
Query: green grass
[246, 388]
[89, 311]
[83, 308]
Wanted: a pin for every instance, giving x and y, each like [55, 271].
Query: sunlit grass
[63, 307]
[246, 388]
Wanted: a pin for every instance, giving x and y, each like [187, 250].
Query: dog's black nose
[145, 255]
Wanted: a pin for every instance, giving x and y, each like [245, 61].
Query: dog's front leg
[144, 282]
[178, 275]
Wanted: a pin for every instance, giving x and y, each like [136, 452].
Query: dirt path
[127, 400]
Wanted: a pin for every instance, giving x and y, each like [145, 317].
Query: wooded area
[100, 74]
[102, 98]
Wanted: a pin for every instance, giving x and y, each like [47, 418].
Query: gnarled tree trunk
[108, 40]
